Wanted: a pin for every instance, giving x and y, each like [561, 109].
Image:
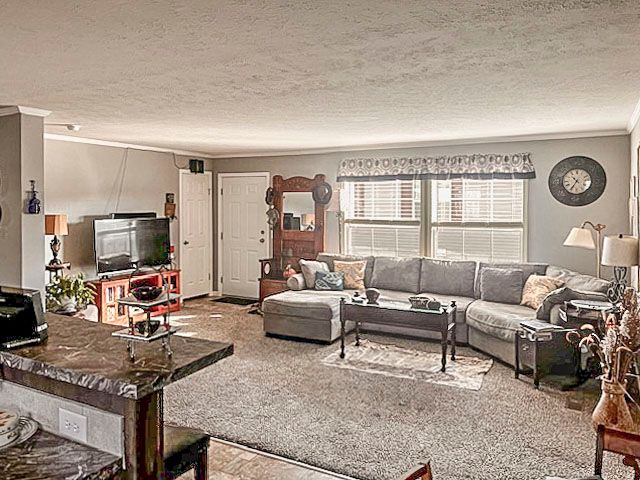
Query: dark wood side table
[401, 315]
[271, 286]
[534, 347]
[57, 270]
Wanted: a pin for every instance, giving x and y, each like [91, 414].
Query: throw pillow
[536, 288]
[309, 269]
[353, 273]
[329, 281]
[501, 285]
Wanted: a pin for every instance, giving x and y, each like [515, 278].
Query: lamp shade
[620, 251]
[56, 224]
[580, 237]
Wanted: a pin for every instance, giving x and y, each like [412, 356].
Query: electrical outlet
[72, 425]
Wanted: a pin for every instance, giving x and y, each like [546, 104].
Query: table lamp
[55, 225]
[619, 252]
[582, 238]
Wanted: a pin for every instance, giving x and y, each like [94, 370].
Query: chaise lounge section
[486, 325]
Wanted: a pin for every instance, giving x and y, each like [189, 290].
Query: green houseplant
[68, 294]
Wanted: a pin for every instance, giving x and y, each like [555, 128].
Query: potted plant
[68, 294]
[617, 350]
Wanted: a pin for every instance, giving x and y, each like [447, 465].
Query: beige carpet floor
[277, 396]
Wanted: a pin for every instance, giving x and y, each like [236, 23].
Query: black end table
[400, 314]
[528, 346]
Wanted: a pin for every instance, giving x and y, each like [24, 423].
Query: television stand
[109, 290]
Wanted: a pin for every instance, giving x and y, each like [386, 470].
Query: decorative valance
[478, 166]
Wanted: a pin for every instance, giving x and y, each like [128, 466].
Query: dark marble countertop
[48, 457]
[84, 353]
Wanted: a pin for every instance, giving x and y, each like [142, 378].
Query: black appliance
[122, 245]
[22, 319]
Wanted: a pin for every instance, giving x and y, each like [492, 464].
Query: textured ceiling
[229, 77]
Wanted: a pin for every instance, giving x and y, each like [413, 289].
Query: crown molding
[346, 148]
[429, 143]
[635, 116]
[107, 143]
[16, 109]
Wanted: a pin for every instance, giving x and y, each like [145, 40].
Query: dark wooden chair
[185, 449]
[623, 443]
[422, 473]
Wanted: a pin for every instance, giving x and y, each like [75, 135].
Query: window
[382, 218]
[478, 220]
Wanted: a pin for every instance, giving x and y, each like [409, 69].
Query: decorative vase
[372, 295]
[612, 410]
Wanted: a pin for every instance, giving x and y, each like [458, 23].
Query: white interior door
[244, 233]
[195, 215]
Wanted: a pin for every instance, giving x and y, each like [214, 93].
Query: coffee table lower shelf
[401, 315]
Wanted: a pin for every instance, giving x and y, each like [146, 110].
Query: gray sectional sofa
[488, 326]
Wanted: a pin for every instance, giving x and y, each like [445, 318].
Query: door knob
[186, 242]
[261, 232]
[262, 240]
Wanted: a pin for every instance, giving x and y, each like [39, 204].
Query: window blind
[478, 220]
[382, 218]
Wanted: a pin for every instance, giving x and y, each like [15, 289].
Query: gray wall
[549, 220]
[85, 181]
[634, 145]
[21, 160]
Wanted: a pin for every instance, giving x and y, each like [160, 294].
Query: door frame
[209, 174]
[220, 176]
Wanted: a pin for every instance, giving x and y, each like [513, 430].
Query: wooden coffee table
[400, 314]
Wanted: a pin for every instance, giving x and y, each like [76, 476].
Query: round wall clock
[577, 181]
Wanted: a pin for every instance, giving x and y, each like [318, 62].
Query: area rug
[392, 361]
[277, 396]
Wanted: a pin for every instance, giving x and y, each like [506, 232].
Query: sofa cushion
[536, 288]
[500, 320]
[447, 276]
[527, 269]
[501, 285]
[353, 273]
[309, 269]
[396, 273]
[329, 258]
[308, 304]
[578, 281]
[329, 281]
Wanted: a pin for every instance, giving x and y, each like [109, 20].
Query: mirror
[298, 211]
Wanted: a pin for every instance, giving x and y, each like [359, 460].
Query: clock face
[577, 181]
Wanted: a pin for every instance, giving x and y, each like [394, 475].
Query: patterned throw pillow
[537, 288]
[329, 281]
[353, 273]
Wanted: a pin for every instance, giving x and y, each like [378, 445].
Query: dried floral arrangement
[617, 347]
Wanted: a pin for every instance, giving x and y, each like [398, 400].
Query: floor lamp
[581, 237]
[334, 207]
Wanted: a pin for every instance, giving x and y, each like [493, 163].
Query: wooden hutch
[299, 231]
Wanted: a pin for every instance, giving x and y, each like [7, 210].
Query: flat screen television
[122, 245]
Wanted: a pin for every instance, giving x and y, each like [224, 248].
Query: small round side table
[57, 270]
